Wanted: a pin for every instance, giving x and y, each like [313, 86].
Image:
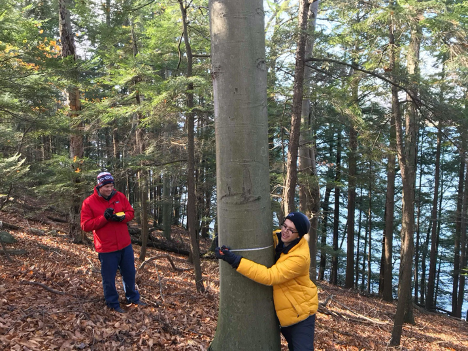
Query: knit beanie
[301, 222]
[104, 178]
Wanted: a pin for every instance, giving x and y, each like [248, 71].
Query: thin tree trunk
[336, 219]
[439, 224]
[463, 259]
[406, 150]
[349, 280]
[309, 191]
[391, 175]
[166, 207]
[421, 250]
[191, 196]
[369, 217]
[430, 305]
[458, 225]
[289, 191]
[358, 254]
[323, 240]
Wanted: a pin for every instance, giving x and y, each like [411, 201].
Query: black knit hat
[301, 222]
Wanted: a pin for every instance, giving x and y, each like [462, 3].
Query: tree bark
[309, 191]
[191, 196]
[430, 298]
[463, 258]
[336, 220]
[289, 192]
[246, 319]
[166, 206]
[323, 236]
[406, 149]
[76, 138]
[458, 226]
[349, 279]
[387, 292]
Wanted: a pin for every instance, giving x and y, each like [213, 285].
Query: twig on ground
[44, 286]
[169, 258]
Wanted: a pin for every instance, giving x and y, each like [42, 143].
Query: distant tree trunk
[387, 291]
[420, 250]
[369, 217]
[309, 191]
[424, 250]
[290, 183]
[430, 305]
[246, 319]
[142, 178]
[439, 224]
[406, 150]
[76, 138]
[463, 256]
[166, 207]
[458, 226]
[336, 219]
[356, 269]
[364, 248]
[349, 280]
[323, 240]
[191, 196]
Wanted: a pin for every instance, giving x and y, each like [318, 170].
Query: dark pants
[124, 261]
[300, 336]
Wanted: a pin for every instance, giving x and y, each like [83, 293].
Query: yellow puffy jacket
[294, 294]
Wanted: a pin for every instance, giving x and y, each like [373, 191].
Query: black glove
[116, 218]
[109, 213]
[224, 253]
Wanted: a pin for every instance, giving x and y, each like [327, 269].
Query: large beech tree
[247, 319]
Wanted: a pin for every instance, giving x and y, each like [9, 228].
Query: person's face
[288, 232]
[106, 190]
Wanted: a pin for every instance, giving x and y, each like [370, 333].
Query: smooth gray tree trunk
[246, 319]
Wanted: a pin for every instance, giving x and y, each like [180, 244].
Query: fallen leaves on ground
[51, 299]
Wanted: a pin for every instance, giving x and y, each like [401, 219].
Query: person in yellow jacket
[294, 294]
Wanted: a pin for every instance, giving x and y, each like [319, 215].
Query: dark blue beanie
[104, 178]
[301, 222]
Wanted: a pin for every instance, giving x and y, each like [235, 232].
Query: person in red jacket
[106, 213]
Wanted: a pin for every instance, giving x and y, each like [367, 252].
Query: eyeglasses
[291, 231]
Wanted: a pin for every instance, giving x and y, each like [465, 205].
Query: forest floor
[51, 299]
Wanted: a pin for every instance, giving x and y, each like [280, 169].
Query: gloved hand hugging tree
[224, 253]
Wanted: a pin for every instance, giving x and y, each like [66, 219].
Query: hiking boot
[140, 303]
[118, 309]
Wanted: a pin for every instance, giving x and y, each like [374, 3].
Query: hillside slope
[51, 298]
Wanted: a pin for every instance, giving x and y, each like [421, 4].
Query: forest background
[126, 86]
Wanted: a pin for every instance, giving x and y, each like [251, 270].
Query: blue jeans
[300, 336]
[124, 261]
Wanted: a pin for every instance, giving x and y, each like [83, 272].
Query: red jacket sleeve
[88, 221]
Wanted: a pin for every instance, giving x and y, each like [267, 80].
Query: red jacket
[109, 236]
